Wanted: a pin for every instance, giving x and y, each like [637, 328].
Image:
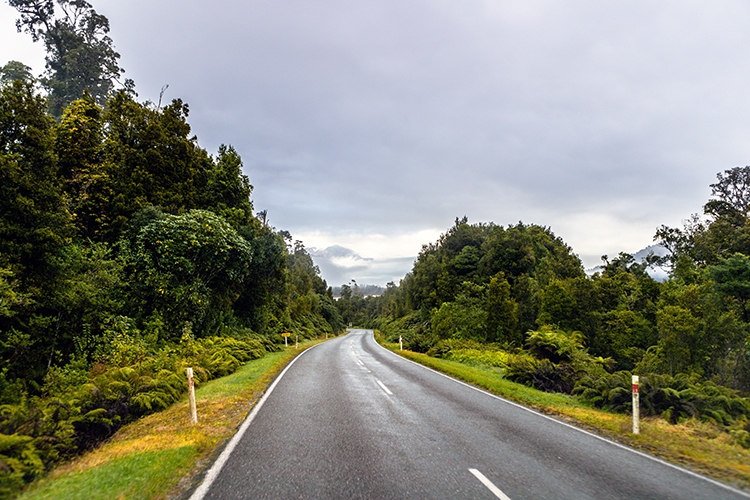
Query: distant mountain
[658, 273]
[366, 290]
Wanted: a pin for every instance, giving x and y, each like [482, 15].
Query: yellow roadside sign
[286, 334]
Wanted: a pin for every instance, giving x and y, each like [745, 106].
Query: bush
[610, 391]
[36, 433]
[554, 345]
[487, 357]
[673, 398]
[444, 348]
[556, 361]
[541, 374]
[19, 463]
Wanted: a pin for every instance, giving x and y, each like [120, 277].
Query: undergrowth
[83, 405]
[706, 442]
[159, 455]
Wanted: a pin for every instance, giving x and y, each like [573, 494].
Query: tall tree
[150, 159]
[733, 190]
[15, 70]
[227, 190]
[34, 223]
[80, 53]
[79, 147]
[33, 218]
[502, 318]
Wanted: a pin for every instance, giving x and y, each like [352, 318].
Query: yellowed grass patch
[699, 446]
[162, 448]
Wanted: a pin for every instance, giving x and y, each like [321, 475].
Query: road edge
[212, 473]
[569, 425]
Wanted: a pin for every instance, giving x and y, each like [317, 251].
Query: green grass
[157, 456]
[140, 475]
[248, 374]
[699, 446]
[491, 379]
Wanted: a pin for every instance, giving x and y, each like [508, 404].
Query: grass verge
[697, 446]
[160, 455]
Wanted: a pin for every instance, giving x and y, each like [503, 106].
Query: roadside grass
[695, 445]
[163, 454]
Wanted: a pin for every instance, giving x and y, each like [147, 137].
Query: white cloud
[16, 46]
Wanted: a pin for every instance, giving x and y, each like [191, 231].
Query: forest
[516, 300]
[127, 253]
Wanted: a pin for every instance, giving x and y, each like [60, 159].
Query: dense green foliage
[517, 299]
[127, 253]
[82, 405]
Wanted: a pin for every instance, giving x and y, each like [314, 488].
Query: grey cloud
[401, 115]
[339, 265]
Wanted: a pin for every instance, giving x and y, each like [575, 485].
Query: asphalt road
[349, 419]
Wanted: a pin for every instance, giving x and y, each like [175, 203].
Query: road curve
[349, 419]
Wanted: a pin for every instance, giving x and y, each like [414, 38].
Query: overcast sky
[373, 125]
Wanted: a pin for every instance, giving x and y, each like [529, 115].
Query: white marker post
[636, 406]
[191, 396]
[401, 344]
[296, 341]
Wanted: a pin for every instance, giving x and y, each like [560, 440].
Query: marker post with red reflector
[636, 406]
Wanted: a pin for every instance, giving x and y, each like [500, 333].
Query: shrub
[541, 374]
[488, 357]
[36, 433]
[554, 345]
[444, 348]
[674, 398]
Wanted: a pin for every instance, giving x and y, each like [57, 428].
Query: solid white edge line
[213, 472]
[600, 438]
[490, 486]
[382, 386]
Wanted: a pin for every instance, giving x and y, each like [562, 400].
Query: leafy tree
[558, 305]
[732, 278]
[678, 330]
[80, 54]
[227, 190]
[725, 232]
[260, 302]
[466, 318]
[188, 269]
[732, 192]
[10, 297]
[79, 145]
[33, 217]
[88, 295]
[571, 304]
[15, 71]
[34, 226]
[502, 319]
[150, 160]
[309, 305]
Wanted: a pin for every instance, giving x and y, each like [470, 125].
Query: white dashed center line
[382, 386]
[494, 489]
